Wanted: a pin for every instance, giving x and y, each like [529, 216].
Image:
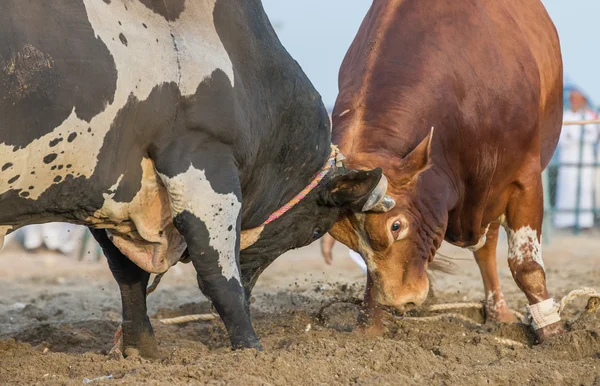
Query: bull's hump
[355, 94]
[132, 51]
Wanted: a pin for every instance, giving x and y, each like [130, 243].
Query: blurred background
[317, 33]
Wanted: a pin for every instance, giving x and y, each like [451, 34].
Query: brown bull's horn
[378, 201]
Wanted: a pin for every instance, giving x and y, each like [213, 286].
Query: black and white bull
[173, 129]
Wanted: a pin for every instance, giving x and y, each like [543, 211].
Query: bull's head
[399, 244]
[342, 191]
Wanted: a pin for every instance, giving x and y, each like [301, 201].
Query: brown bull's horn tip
[377, 195]
[385, 205]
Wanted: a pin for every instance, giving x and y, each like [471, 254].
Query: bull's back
[86, 85]
[542, 37]
[475, 71]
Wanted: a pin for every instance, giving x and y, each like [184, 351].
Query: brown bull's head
[398, 245]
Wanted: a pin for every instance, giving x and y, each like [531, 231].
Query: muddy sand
[58, 317]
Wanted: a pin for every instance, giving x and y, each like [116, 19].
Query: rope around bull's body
[591, 293]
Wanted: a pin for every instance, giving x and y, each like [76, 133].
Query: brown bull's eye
[396, 226]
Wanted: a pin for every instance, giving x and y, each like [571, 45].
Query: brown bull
[487, 75]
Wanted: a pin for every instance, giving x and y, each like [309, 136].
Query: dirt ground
[58, 317]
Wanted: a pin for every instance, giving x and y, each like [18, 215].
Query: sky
[317, 33]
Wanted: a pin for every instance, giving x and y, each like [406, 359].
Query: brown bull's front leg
[371, 315]
[496, 308]
[523, 224]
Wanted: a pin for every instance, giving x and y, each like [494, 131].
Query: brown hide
[487, 75]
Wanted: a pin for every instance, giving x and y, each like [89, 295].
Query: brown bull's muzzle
[402, 298]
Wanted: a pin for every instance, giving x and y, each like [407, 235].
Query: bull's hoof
[134, 352]
[372, 331]
[370, 322]
[245, 344]
[551, 330]
[131, 352]
[370, 328]
[499, 315]
[147, 347]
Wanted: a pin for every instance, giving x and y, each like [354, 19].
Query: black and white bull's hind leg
[523, 224]
[205, 194]
[138, 337]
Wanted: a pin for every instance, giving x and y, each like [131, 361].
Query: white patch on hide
[481, 242]
[344, 113]
[495, 303]
[141, 65]
[112, 190]
[191, 191]
[490, 299]
[523, 244]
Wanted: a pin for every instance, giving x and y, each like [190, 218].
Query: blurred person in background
[576, 145]
[54, 236]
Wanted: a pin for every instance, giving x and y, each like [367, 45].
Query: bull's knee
[526, 264]
[527, 268]
[207, 212]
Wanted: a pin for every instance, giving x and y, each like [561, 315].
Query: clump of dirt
[340, 316]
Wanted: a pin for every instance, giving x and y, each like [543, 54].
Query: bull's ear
[418, 159]
[354, 189]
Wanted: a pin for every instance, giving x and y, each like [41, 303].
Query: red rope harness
[334, 157]
[313, 184]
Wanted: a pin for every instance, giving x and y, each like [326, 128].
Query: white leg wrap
[543, 313]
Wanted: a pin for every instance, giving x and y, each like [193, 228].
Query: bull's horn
[378, 201]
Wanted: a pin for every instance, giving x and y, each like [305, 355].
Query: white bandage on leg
[543, 313]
